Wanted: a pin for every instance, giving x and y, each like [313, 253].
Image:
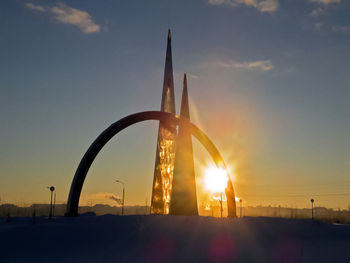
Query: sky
[268, 81]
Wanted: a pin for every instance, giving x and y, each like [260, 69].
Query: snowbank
[112, 238]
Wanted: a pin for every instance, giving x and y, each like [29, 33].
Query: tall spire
[169, 34]
[183, 195]
[165, 152]
[185, 110]
[168, 97]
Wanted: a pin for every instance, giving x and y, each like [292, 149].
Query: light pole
[54, 203]
[52, 188]
[240, 208]
[118, 181]
[312, 208]
[221, 205]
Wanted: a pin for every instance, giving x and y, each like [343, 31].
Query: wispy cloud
[68, 15]
[192, 76]
[324, 6]
[261, 5]
[326, 2]
[319, 26]
[316, 12]
[261, 65]
[342, 29]
[36, 7]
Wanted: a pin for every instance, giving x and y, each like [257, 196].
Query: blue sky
[269, 81]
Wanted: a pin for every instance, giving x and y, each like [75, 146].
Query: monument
[174, 184]
[165, 151]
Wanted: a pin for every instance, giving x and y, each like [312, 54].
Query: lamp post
[54, 204]
[221, 205]
[52, 188]
[312, 208]
[118, 181]
[240, 207]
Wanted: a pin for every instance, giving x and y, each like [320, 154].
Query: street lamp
[312, 208]
[54, 204]
[52, 188]
[221, 205]
[240, 208]
[118, 181]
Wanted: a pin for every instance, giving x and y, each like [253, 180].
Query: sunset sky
[268, 80]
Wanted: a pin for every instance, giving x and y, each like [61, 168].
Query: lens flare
[215, 179]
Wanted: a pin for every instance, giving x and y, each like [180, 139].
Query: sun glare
[215, 179]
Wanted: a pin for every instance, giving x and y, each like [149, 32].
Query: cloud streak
[342, 29]
[261, 5]
[36, 7]
[261, 65]
[325, 2]
[317, 12]
[68, 15]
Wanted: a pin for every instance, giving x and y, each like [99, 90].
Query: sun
[215, 179]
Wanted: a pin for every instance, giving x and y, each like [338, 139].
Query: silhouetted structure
[240, 207]
[183, 196]
[51, 190]
[164, 164]
[112, 130]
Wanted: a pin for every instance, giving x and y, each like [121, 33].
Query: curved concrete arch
[112, 130]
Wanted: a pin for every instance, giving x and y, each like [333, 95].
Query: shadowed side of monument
[183, 195]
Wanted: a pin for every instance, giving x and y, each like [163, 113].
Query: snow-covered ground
[172, 239]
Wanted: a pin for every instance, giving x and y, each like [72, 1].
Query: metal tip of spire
[169, 34]
[184, 111]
